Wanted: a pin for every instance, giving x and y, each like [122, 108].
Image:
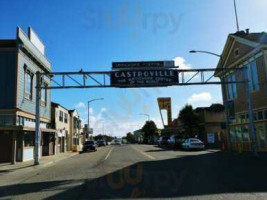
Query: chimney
[247, 31]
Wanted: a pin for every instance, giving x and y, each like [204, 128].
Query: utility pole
[236, 16]
[37, 119]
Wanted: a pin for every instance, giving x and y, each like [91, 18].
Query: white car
[193, 143]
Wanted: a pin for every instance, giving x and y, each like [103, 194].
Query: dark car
[163, 141]
[101, 143]
[89, 146]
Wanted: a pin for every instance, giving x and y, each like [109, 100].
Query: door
[5, 146]
[51, 144]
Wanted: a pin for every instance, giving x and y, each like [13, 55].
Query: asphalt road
[142, 172]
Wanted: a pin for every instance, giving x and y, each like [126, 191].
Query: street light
[148, 116]
[207, 52]
[88, 125]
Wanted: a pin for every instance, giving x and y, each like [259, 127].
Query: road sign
[143, 65]
[138, 78]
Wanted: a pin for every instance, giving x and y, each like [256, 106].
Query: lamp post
[206, 52]
[88, 125]
[148, 116]
[248, 100]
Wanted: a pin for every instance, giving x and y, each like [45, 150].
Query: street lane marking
[108, 153]
[144, 154]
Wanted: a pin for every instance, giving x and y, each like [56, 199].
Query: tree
[190, 120]
[149, 130]
[103, 137]
[130, 138]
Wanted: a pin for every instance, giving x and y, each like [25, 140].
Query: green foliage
[130, 138]
[103, 137]
[190, 120]
[149, 129]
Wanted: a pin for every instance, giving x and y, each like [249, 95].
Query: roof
[260, 38]
[254, 40]
[57, 104]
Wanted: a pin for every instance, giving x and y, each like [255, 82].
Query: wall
[25, 104]
[7, 79]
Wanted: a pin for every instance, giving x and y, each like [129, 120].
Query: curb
[55, 161]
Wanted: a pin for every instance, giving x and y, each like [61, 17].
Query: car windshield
[133, 99]
[89, 142]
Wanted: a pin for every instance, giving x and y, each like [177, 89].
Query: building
[138, 136]
[20, 59]
[61, 122]
[212, 123]
[211, 126]
[76, 133]
[247, 52]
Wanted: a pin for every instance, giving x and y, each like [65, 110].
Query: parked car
[163, 141]
[193, 143]
[101, 143]
[89, 146]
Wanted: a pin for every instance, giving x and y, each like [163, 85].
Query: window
[236, 52]
[253, 76]
[265, 114]
[260, 115]
[232, 134]
[231, 87]
[65, 117]
[28, 85]
[28, 139]
[60, 116]
[245, 133]
[239, 137]
[44, 95]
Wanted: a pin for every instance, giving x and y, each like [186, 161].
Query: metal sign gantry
[102, 79]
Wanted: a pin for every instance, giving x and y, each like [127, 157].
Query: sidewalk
[44, 161]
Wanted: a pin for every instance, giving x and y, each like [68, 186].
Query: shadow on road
[205, 174]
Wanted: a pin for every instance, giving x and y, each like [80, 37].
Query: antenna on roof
[236, 17]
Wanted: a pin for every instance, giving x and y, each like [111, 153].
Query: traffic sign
[138, 78]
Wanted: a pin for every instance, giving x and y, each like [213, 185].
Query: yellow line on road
[143, 153]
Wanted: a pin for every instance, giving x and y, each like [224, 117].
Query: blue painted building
[20, 59]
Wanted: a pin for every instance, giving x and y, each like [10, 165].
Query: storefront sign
[135, 78]
[143, 65]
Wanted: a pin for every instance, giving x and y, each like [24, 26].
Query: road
[142, 172]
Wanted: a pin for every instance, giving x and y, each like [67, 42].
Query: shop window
[28, 139]
[243, 118]
[232, 134]
[265, 114]
[238, 134]
[245, 132]
[260, 115]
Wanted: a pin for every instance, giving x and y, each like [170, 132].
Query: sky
[91, 34]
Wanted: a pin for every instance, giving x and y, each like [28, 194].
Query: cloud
[181, 62]
[80, 105]
[201, 97]
[103, 109]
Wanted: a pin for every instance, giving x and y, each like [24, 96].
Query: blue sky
[92, 34]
